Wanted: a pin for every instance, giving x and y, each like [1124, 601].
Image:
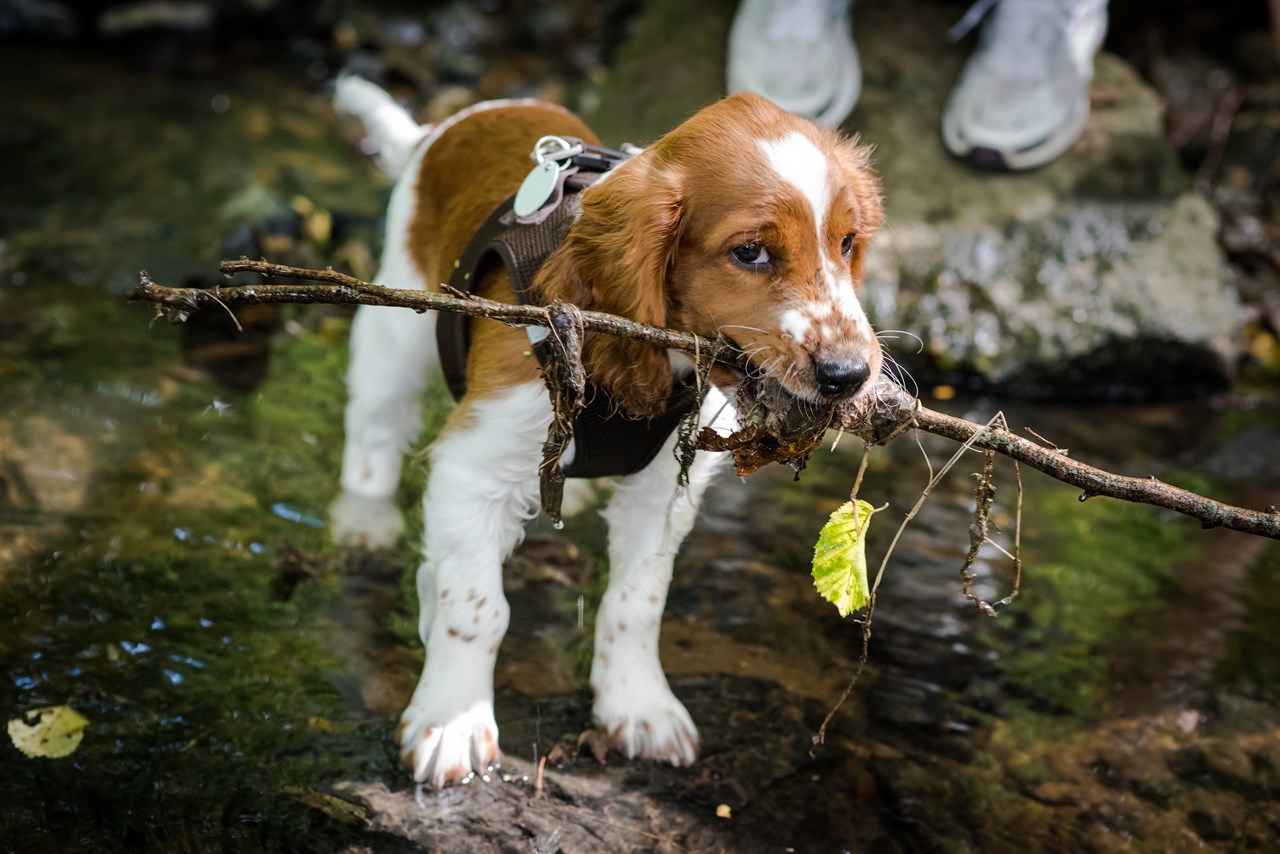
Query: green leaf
[840, 558]
[51, 732]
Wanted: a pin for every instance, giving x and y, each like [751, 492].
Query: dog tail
[392, 132]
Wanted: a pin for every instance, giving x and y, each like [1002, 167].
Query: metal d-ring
[555, 149]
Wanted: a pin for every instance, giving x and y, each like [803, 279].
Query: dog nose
[840, 376]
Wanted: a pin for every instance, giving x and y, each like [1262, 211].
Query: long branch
[1097, 482]
[341, 289]
[888, 405]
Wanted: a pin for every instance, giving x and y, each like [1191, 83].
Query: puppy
[744, 221]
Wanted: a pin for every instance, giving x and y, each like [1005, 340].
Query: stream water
[164, 567]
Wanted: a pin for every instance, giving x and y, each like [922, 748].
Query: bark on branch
[875, 417]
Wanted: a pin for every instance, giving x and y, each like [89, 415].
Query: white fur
[481, 491]
[795, 323]
[799, 162]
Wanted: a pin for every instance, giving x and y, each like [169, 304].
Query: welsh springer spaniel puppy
[744, 221]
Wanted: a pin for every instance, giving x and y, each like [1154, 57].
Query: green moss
[1092, 568]
[212, 706]
[1251, 664]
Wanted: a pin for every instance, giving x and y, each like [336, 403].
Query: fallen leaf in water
[50, 733]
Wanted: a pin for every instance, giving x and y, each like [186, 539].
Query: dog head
[744, 221]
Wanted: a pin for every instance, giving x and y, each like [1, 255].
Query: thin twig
[873, 416]
[229, 312]
[983, 496]
[862, 470]
[1017, 541]
[1219, 130]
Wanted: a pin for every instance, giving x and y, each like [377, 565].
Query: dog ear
[855, 162]
[616, 259]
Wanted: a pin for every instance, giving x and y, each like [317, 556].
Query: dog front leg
[648, 518]
[481, 490]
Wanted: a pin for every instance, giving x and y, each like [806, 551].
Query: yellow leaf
[840, 558]
[51, 732]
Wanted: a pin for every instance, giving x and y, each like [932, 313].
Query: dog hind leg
[393, 353]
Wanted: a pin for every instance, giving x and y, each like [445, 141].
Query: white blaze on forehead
[799, 162]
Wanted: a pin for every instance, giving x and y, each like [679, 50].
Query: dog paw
[362, 520]
[656, 726]
[440, 752]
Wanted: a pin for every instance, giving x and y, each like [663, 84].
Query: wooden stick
[876, 416]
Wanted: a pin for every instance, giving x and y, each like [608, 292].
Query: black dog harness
[521, 234]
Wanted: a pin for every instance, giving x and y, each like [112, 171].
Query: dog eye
[751, 254]
[846, 245]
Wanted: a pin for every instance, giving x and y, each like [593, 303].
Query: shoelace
[787, 27]
[971, 18]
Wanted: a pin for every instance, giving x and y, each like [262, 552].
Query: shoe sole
[1032, 156]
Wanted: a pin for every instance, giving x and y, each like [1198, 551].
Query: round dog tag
[536, 188]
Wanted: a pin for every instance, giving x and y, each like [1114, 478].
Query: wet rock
[1211, 824]
[1234, 713]
[1224, 761]
[1229, 761]
[1157, 791]
[754, 788]
[1092, 298]
[1268, 760]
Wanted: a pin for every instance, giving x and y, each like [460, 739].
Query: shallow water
[164, 568]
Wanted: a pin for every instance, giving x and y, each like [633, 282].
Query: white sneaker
[798, 54]
[1023, 97]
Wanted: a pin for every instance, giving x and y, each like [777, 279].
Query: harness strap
[606, 442]
[522, 249]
